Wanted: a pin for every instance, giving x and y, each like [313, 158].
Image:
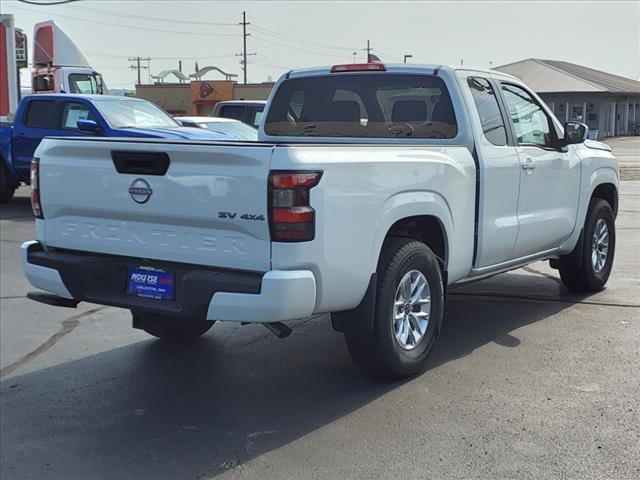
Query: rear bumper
[200, 292]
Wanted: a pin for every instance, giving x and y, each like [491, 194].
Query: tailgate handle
[141, 163]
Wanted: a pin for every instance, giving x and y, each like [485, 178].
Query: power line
[46, 3]
[199, 57]
[152, 19]
[135, 27]
[269, 41]
[275, 61]
[386, 54]
[282, 36]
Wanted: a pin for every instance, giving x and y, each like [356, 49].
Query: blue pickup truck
[40, 116]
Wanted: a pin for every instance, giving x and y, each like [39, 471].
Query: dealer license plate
[151, 282]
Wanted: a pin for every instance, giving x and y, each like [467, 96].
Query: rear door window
[370, 105]
[491, 119]
[40, 114]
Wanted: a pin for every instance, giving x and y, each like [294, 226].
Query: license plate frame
[150, 282]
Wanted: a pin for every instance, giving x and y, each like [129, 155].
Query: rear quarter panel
[364, 190]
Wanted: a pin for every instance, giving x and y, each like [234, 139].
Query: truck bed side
[364, 190]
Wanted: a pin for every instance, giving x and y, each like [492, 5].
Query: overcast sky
[604, 35]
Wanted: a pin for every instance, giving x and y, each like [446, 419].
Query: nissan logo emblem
[140, 191]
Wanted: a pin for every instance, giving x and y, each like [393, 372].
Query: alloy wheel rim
[600, 246]
[411, 310]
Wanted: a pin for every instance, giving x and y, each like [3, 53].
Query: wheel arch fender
[598, 178]
[406, 205]
[606, 181]
[604, 178]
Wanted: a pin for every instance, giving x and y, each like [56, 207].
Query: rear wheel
[408, 313]
[588, 267]
[8, 184]
[170, 327]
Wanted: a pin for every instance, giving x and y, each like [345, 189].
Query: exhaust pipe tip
[279, 329]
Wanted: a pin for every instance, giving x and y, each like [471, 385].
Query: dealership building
[609, 104]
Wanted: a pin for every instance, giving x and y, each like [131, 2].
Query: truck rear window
[370, 105]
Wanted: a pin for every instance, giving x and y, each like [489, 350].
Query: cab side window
[488, 110]
[72, 112]
[40, 114]
[531, 123]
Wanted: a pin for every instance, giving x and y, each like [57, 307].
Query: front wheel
[170, 327]
[408, 313]
[588, 267]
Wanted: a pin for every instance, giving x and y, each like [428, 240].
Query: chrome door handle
[529, 165]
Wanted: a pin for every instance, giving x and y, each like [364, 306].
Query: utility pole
[405, 58]
[244, 53]
[138, 66]
[368, 49]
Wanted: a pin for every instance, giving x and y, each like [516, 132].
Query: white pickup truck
[371, 189]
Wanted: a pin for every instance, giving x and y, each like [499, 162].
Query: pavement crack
[68, 326]
[542, 299]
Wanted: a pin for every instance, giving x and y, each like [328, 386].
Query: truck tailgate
[208, 208]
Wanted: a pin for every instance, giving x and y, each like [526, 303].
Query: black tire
[379, 352]
[577, 270]
[8, 184]
[170, 327]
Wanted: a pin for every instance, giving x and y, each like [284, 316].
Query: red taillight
[291, 218]
[35, 188]
[359, 67]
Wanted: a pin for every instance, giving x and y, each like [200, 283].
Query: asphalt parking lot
[528, 381]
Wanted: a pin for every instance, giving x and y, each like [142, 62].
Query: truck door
[550, 177]
[36, 123]
[499, 173]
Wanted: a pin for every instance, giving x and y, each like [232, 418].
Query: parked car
[237, 129]
[63, 115]
[247, 111]
[373, 188]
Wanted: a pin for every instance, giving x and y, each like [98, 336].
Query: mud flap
[361, 317]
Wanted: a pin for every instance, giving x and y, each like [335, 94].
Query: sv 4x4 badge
[244, 216]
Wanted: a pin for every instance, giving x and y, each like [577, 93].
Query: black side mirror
[87, 126]
[575, 132]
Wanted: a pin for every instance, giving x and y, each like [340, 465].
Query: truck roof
[396, 68]
[56, 96]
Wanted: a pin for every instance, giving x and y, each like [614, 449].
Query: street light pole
[407, 56]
